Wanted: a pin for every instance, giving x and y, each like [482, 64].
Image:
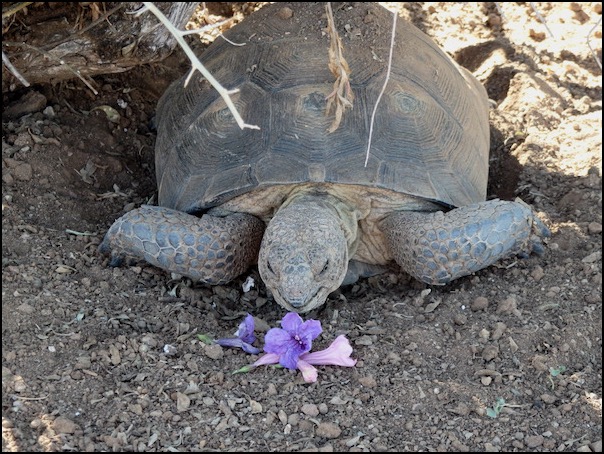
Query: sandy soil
[509, 359]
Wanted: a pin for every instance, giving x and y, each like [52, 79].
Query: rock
[499, 330]
[285, 13]
[368, 382]
[310, 410]
[364, 340]
[182, 402]
[593, 257]
[537, 273]
[23, 172]
[26, 308]
[328, 430]
[532, 441]
[596, 446]
[490, 352]
[213, 351]
[63, 425]
[480, 303]
[116, 357]
[508, 305]
[570, 200]
[31, 102]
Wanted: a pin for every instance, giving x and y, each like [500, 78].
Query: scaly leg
[437, 248]
[209, 249]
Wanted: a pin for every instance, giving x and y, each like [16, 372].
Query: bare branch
[197, 66]
[49, 56]
[13, 70]
[13, 9]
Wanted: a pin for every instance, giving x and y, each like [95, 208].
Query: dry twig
[341, 98]
[14, 70]
[593, 52]
[394, 16]
[197, 66]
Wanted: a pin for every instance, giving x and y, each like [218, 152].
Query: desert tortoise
[298, 199]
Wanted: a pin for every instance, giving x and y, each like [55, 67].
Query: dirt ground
[508, 359]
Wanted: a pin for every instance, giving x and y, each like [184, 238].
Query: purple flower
[337, 354]
[292, 340]
[290, 346]
[244, 340]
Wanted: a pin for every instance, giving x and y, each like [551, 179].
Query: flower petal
[238, 343]
[246, 330]
[229, 342]
[269, 358]
[308, 372]
[310, 329]
[276, 340]
[248, 348]
[337, 354]
[289, 358]
[290, 322]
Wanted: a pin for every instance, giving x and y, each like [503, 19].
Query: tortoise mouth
[303, 303]
[297, 303]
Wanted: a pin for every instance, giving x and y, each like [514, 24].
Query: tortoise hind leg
[437, 248]
[209, 249]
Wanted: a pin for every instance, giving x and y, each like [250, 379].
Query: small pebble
[328, 430]
[479, 304]
[64, 425]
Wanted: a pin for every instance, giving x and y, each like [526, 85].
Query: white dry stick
[14, 70]
[394, 16]
[541, 18]
[538, 14]
[593, 52]
[224, 93]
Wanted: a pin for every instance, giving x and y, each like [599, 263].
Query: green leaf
[243, 370]
[492, 413]
[500, 404]
[205, 339]
[557, 370]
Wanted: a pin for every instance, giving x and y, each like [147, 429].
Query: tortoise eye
[325, 268]
[270, 268]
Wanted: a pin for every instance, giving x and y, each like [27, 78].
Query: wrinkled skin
[303, 256]
[437, 248]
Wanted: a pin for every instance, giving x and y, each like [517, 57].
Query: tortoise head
[303, 256]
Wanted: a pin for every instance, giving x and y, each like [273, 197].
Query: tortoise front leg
[209, 249]
[439, 247]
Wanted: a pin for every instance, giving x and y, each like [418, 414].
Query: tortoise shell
[430, 136]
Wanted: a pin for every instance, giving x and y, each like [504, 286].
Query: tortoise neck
[331, 205]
